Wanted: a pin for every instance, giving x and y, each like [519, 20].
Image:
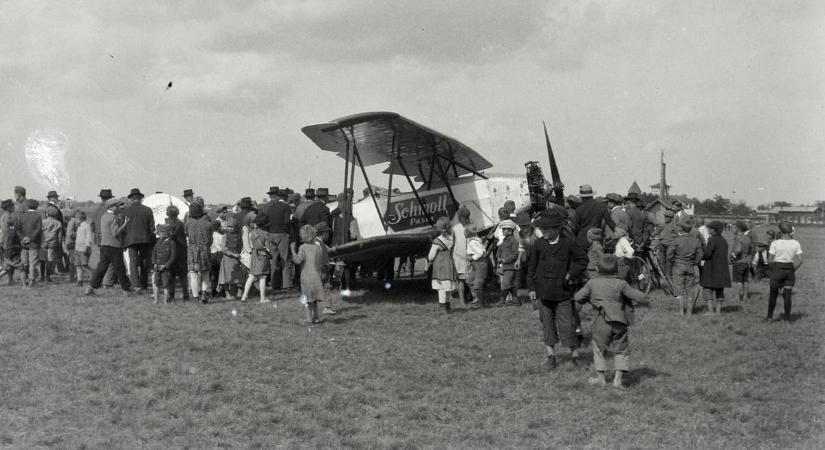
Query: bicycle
[647, 271]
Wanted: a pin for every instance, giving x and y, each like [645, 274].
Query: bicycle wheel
[642, 279]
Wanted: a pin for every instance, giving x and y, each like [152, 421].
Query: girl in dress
[198, 230]
[312, 258]
[230, 274]
[261, 252]
[441, 261]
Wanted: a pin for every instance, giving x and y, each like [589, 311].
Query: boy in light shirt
[784, 258]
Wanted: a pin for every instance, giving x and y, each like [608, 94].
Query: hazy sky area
[734, 92]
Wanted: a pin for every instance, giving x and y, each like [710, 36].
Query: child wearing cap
[684, 256]
[595, 251]
[50, 253]
[784, 258]
[612, 298]
[163, 263]
[440, 258]
[83, 240]
[477, 273]
[507, 256]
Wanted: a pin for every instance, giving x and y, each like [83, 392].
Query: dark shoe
[204, 298]
[89, 291]
[550, 363]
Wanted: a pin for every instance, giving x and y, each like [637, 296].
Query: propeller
[558, 186]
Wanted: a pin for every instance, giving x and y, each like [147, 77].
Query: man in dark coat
[638, 225]
[715, 273]
[312, 211]
[590, 214]
[139, 240]
[553, 269]
[280, 221]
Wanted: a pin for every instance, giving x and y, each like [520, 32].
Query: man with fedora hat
[279, 213]
[53, 205]
[188, 196]
[554, 267]
[312, 211]
[590, 214]
[112, 226]
[638, 221]
[139, 239]
[94, 222]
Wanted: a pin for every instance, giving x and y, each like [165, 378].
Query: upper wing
[383, 136]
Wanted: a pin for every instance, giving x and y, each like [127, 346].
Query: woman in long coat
[715, 273]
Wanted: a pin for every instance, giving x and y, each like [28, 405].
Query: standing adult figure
[109, 277]
[637, 229]
[553, 268]
[30, 229]
[590, 214]
[620, 218]
[279, 213]
[53, 203]
[715, 273]
[139, 239]
[198, 230]
[178, 234]
[10, 246]
[21, 203]
[112, 227]
[740, 256]
[315, 211]
[460, 259]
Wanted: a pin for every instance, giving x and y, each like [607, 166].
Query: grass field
[390, 371]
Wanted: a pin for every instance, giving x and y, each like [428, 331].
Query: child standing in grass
[259, 265]
[441, 261]
[478, 265]
[312, 258]
[784, 258]
[163, 263]
[684, 256]
[613, 299]
[507, 256]
[83, 240]
[51, 242]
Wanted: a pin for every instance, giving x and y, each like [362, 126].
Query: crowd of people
[241, 249]
[585, 252]
[582, 252]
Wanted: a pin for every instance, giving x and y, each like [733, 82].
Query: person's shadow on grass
[635, 376]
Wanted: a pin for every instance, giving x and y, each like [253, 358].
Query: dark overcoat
[715, 272]
[548, 265]
[141, 226]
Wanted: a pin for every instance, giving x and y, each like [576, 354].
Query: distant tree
[741, 209]
[781, 204]
[820, 203]
[763, 207]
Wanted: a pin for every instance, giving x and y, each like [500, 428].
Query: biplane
[441, 173]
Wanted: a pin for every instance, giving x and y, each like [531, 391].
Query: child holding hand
[311, 256]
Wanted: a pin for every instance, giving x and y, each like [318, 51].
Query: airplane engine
[536, 184]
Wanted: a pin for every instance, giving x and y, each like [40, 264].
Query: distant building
[795, 214]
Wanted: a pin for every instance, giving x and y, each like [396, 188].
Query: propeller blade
[558, 186]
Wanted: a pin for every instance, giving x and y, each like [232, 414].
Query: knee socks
[786, 300]
[774, 293]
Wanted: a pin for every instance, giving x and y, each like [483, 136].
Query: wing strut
[369, 186]
[443, 174]
[415, 191]
[347, 207]
[392, 166]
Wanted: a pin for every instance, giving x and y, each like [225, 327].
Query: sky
[732, 92]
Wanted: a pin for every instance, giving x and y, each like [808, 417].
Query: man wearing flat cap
[590, 214]
[554, 267]
[139, 239]
[638, 221]
[664, 236]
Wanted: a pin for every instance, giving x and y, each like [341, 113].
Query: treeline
[720, 206]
